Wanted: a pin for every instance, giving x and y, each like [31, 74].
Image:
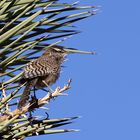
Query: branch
[34, 103]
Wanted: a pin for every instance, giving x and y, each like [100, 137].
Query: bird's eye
[57, 49]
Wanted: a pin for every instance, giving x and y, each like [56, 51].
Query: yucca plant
[27, 27]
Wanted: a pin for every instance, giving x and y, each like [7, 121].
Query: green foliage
[26, 28]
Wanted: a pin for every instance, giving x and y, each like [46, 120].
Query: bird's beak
[72, 50]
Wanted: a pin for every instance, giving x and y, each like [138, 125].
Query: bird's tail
[25, 96]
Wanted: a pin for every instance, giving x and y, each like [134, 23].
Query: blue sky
[106, 87]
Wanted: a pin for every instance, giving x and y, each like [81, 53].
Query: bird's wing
[39, 67]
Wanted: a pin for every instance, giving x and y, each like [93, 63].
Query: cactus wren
[44, 71]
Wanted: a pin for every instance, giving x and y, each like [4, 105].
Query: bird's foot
[34, 93]
[49, 88]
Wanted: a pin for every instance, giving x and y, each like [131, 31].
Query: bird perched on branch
[45, 70]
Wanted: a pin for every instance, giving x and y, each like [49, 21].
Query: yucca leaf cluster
[27, 28]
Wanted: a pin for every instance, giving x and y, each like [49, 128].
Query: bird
[45, 70]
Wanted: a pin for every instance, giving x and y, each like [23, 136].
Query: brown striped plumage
[45, 68]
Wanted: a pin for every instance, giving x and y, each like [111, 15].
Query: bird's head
[65, 51]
